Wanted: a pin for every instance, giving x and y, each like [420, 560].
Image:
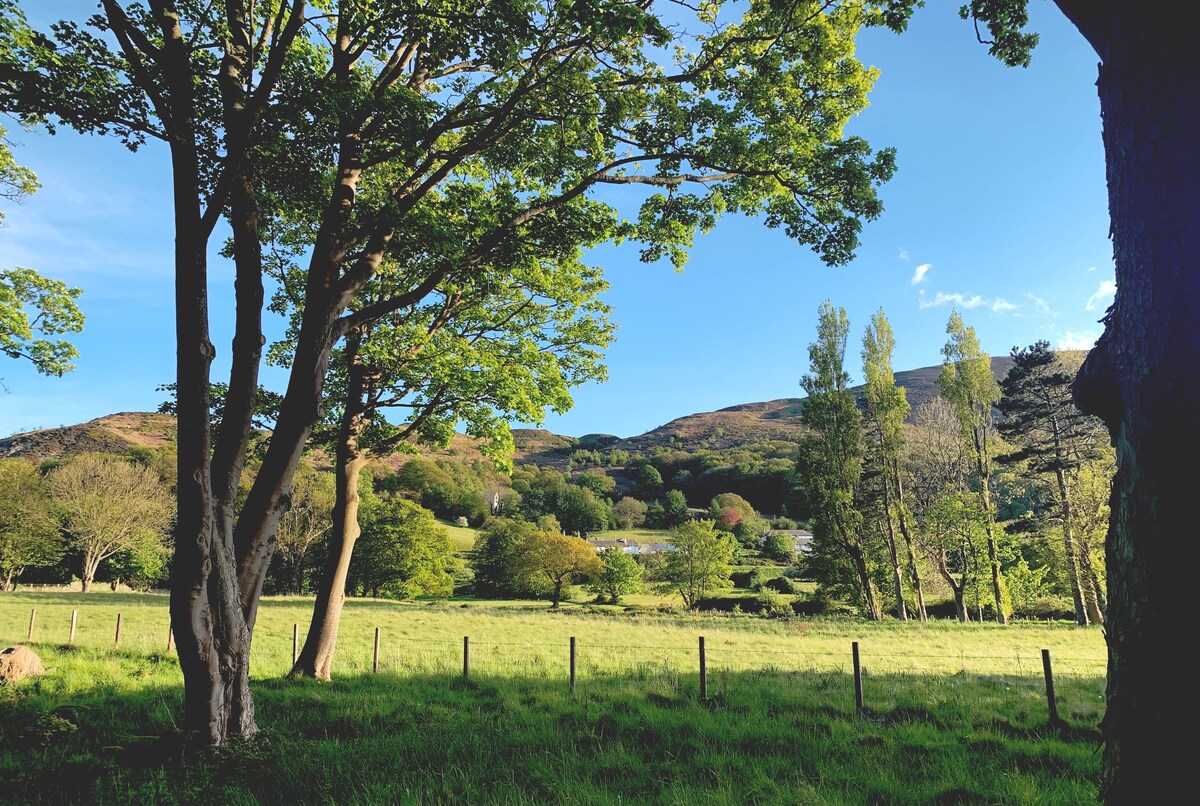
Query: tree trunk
[1072, 554]
[556, 595]
[889, 537]
[910, 545]
[8, 581]
[1143, 380]
[115, 583]
[999, 591]
[1096, 602]
[870, 599]
[316, 659]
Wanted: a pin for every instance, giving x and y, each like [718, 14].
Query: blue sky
[999, 207]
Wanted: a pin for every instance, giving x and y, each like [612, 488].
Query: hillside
[747, 423]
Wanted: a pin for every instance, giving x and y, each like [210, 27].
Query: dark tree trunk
[557, 594]
[1143, 380]
[959, 589]
[316, 659]
[902, 518]
[889, 537]
[870, 600]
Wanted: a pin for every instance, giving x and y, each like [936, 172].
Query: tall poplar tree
[831, 455]
[969, 386]
[886, 407]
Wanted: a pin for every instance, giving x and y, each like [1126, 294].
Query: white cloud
[1091, 268]
[961, 300]
[1001, 305]
[919, 274]
[1040, 306]
[1107, 289]
[1078, 341]
[903, 252]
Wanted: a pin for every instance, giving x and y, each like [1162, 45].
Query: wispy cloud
[1040, 306]
[1107, 289]
[1001, 305]
[903, 252]
[1091, 268]
[942, 298]
[1078, 341]
[919, 274]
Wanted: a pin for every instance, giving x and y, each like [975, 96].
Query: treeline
[995, 498]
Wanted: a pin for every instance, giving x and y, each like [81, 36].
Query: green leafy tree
[31, 308]
[885, 409]
[403, 552]
[558, 559]
[142, 566]
[674, 509]
[967, 383]
[496, 556]
[700, 562]
[954, 534]
[111, 506]
[1054, 439]
[831, 454]
[779, 547]
[649, 480]
[628, 513]
[371, 115]
[581, 511]
[29, 534]
[620, 575]
[601, 484]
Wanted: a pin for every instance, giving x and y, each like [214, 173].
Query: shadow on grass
[86, 733]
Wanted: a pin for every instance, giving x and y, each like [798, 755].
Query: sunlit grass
[954, 712]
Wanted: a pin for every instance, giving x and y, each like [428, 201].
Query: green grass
[955, 713]
[463, 537]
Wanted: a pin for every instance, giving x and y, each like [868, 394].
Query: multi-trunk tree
[110, 506]
[381, 103]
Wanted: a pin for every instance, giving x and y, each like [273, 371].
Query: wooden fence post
[466, 656]
[295, 643]
[117, 639]
[572, 663]
[170, 638]
[375, 660]
[858, 693]
[71, 635]
[1051, 701]
[703, 673]
[32, 619]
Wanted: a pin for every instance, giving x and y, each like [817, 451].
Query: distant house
[621, 544]
[655, 548]
[801, 539]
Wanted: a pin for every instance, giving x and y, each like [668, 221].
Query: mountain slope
[773, 420]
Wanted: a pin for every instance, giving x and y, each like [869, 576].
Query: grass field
[955, 713]
[463, 537]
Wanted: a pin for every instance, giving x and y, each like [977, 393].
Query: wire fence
[962, 681]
